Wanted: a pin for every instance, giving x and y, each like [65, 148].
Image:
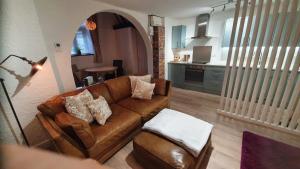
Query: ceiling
[168, 8]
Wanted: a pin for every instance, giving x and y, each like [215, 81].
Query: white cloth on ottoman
[183, 129]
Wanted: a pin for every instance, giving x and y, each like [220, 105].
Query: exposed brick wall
[158, 43]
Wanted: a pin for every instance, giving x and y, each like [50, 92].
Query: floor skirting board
[257, 122]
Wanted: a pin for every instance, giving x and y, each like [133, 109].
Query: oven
[194, 74]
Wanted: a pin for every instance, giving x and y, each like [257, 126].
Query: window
[228, 30]
[83, 44]
[229, 23]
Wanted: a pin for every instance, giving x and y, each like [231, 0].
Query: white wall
[59, 21]
[21, 35]
[169, 55]
[107, 37]
[130, 51]
[215, 29]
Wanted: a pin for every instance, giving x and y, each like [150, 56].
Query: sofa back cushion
[119, 88]
[101, 90]
[56, 104]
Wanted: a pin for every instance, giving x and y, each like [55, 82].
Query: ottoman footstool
[155, 152]
[173, 140]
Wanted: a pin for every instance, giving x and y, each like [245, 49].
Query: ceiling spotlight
[203, 23]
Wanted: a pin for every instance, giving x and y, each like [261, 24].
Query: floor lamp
[35, 66]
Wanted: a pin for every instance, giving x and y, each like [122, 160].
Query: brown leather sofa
[96, 141]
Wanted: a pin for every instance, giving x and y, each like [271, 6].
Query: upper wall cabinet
[178, 36]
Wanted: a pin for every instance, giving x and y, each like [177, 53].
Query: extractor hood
[201, 27]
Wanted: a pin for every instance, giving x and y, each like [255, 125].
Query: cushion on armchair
[134, 79]
[100, 110]
[77, 105]
[75, 126]
[143, 90]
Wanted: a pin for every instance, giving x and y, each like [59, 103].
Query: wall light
[90, 25]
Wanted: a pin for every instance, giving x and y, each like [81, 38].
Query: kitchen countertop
[198, 64]
[216, 65]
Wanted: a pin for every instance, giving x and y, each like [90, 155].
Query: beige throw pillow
[77, 105]
[100, 110]
[133, 80]
[143, 90]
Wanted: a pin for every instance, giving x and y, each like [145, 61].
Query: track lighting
[222, 4]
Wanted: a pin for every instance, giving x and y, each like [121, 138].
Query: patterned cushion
[133, 80]
[143, 90]
[77, 105]
[100, 110]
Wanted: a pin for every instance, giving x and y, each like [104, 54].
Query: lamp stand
[14, 112]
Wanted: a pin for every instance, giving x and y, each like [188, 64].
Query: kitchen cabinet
[177, 74]
[178, 36]
[212, 77]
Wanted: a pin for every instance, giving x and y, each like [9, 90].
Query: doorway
[106, 40]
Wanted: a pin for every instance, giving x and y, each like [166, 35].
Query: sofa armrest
[75, 126]
[62, 141]
[168, 88]
[162, 87]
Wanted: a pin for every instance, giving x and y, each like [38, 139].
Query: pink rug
[263, 153]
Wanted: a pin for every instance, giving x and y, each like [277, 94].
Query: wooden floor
[226, 135]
